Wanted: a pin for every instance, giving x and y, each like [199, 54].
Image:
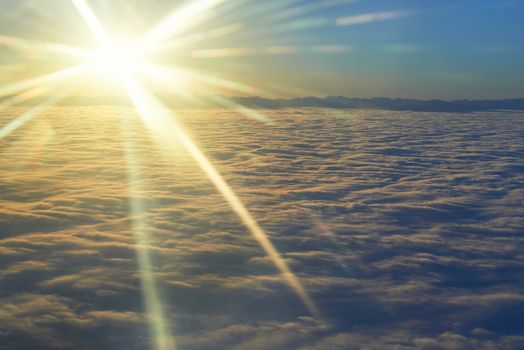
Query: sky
[449, 49]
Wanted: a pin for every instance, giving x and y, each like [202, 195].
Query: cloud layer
[404, 227]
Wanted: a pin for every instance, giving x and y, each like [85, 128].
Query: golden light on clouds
[124, 64]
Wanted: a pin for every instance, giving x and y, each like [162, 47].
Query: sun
[117, 60]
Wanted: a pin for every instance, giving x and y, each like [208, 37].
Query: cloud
[32, 319]
[371, 17]
[403, 226]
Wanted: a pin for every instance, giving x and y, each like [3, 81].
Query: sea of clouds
[405, 228]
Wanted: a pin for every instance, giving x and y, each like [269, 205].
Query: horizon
[287, 98]
[257, 103]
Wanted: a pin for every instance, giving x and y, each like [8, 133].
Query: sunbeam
[181, 75]
[15, 88]
[166, 76]
[177, 22]
[159, 326]
[370, 17]
[269, 50]
[34, 45]
[92, 22]
[160, 121]
[27, 95]
[248, 112]
[109, 58]
[30, 114]
[191, 39]
[164, 126]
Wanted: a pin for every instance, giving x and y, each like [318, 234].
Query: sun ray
[50, 78]
[153, 304]
[163, 124]
[23, 119]
[246, 111]
[254, 10]
[302, 9]
[158, 324]
[178, 73]
[131, 13]
[92, 21]
[167, 74]
[26, 96]
[177, 22]
[268, 50]
[32, 45]
[268, 28]
[275, 30]
[194, 38]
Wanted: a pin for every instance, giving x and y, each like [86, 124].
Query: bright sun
[117, 60]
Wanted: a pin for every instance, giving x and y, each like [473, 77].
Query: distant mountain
[384, 103]
[397, 104]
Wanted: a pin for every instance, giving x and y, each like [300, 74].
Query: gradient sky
[449, 49]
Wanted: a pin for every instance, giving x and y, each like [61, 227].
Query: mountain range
[383, 103]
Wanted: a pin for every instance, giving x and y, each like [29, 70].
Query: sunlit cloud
[270, 50]
[303, 9]
[298, 25]
[371, 17]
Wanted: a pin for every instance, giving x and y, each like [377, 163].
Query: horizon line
[329, 101]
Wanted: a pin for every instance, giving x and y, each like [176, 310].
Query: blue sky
[445, 49]
[449, 49]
